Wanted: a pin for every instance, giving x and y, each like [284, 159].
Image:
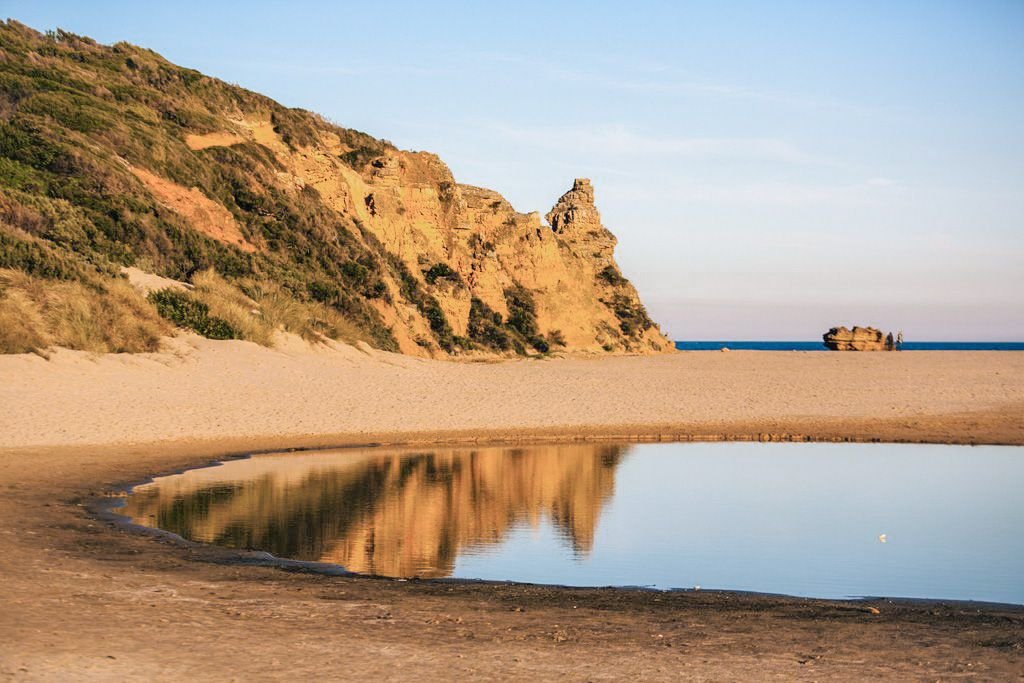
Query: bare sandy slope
[216, 390]
[81, 599]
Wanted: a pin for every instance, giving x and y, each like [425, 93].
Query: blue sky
[770, 169]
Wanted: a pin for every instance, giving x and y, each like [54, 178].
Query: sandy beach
[76, 427]
[300, 396]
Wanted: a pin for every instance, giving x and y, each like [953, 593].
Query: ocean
[819, 346]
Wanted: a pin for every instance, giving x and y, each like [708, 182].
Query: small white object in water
[883, 538]
[697, 587]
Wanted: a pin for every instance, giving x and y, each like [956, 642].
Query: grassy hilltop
[112, 158]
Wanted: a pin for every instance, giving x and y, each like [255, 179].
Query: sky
[770, 169]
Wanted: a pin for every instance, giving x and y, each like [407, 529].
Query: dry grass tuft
[104, 316]
[258, 309]
[109, 315]
[22, 329]
[232, 305]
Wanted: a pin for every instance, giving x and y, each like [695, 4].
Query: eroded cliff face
[137, 162]
[504, 281]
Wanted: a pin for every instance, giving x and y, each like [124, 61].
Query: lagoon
[810, 519]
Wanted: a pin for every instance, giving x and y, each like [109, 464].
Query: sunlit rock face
[399, 515]
[420, 213]
[576, 220]
[857, 339]
[429, 223]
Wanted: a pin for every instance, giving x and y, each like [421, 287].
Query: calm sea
[818, 346]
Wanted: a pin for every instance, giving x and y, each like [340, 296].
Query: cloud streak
[622, 141]
[660, 79]
[784, 194]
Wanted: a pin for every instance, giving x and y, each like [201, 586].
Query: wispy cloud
[656, 78]
[357, 69]
[607, 72]
[784, 194]
[616, 140]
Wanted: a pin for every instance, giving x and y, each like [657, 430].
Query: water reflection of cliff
[389, 513]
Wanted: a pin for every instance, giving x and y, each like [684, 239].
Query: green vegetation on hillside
[522, 317]
[91, 314]
[632, 315]
[441, 271]
[610, 275]
[184, 311]
[487, 328]
[519, 333]
[76, 117]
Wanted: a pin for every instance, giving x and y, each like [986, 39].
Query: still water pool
[821, 520]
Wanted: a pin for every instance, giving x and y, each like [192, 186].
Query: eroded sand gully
[82, 599]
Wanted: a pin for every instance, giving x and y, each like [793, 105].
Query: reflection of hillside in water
[398, 514]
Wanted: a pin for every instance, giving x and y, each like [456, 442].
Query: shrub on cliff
[441, 271]
[556, 338]
[633, 318]
[522, 316]
[611, 275]
[184, 311]
[486, 328]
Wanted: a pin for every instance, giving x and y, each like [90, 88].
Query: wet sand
[85, 599]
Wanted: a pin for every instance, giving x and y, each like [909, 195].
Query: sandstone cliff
[502, 280]
[112, 157]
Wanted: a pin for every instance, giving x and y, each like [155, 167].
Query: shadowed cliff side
[113, 158]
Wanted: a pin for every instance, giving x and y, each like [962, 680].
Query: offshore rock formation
[113, 157]
[857, 339]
